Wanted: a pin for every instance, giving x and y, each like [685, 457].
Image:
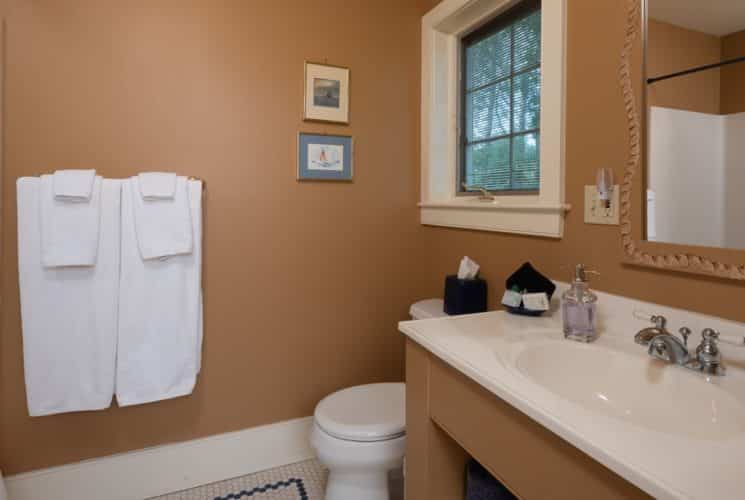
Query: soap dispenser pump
[578, 308]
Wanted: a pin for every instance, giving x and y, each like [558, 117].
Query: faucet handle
[708, 354]
[644, 335]
[659, 321]
[709, 334]
[685, 332]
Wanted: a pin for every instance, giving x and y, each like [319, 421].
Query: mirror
[695, 122]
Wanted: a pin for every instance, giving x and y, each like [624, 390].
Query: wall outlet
[595, 210]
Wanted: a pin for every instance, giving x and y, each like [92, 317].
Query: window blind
[501, 102]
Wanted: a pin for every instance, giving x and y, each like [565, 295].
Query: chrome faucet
[667, 347]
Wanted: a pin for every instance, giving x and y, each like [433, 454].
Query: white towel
[69, 314]
[163, 227]
[73, 185]
[69, 231]
[160, 309]
[157, 185]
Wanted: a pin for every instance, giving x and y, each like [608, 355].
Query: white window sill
[497, 205]
[536, 219]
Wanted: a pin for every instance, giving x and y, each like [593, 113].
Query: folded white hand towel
[160, 312]
[157, 185]
[162, 227]
[73, 185]
[69, 231]
[69, 314]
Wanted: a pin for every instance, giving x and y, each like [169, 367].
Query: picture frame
[326, 93]
[322, 157]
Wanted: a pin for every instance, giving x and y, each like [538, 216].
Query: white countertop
[664, 463]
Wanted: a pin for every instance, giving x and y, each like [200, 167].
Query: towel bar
[204, 183]
[191, 178]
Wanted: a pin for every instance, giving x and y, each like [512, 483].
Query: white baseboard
[163, 469]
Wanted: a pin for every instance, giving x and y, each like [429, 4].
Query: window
[501, 103]
[529, 128]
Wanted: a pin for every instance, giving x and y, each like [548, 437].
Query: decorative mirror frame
[700, 260]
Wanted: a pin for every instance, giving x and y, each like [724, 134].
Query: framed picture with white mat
[326, 93]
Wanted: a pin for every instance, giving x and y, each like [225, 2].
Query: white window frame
[541, 214]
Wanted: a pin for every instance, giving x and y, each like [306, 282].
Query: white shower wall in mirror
[695, 116]
[696, 184]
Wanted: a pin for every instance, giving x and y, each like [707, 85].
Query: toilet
[359, 433]
[426, 309]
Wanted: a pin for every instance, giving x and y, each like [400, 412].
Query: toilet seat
[365, 413]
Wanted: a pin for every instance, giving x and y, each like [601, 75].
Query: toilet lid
[429, 308]
[373, 412]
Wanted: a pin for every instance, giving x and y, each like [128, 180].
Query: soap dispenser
[578, 308]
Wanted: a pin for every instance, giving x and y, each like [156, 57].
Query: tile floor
[278, 485]
[301, 481]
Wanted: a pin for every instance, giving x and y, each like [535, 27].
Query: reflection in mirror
[695, 105]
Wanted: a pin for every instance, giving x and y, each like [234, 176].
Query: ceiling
[715, 17]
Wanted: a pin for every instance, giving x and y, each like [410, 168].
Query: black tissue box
[464, 296]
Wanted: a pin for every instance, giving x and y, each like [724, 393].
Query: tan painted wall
[596, 137]
[304, 284]
[733, 77]
[671, 48]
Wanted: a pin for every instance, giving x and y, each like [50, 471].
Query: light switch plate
[596, 213]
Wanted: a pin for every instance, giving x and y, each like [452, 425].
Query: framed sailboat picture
[324, 157]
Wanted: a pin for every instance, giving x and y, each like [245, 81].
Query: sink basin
[631, 386]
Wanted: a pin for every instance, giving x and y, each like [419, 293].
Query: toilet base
[360, 486]
[357, 470]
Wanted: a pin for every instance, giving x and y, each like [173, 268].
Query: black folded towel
[527, 280]
[480, 485]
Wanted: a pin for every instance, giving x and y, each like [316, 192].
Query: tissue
[468, 269]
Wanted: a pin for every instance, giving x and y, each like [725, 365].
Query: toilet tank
[429, 308]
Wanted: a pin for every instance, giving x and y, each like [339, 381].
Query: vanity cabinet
[451, 418]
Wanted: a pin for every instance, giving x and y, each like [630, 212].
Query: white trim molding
[442, 31]
[174, 467]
